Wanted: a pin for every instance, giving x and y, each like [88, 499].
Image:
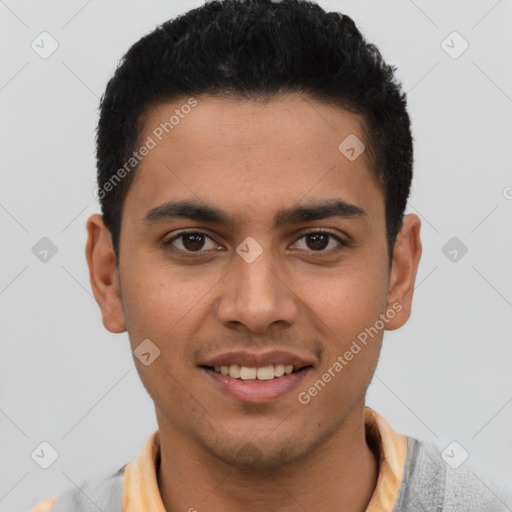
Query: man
[254, 164]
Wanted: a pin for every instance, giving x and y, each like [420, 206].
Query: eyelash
[200, 253]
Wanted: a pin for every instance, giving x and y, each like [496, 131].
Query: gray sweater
[429, 485]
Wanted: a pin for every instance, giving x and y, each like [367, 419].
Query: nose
[257, 295]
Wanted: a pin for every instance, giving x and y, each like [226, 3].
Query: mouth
[256, 378]
[261, 373]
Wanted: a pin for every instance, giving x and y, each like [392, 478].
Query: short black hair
[255, 49]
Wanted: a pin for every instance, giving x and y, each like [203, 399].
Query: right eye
[190, 242]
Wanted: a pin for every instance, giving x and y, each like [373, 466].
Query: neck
[341, 474]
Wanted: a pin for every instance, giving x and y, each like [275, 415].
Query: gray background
[445, 376]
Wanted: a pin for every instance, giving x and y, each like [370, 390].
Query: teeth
[265, 373]
[247, 373]
[262, 373]
[278, 370]
[234, 371]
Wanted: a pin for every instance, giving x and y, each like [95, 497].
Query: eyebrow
[315, 210]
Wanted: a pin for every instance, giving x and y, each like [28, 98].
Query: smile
[256, 384]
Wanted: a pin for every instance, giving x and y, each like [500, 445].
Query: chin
[257, 457]
[260, 455]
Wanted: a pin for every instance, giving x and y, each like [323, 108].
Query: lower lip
[257, 391]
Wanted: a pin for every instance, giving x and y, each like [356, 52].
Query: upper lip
[257, 360]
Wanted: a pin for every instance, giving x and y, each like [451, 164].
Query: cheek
[346, 301]
[159, 299]
[345, 309]
[160, 306]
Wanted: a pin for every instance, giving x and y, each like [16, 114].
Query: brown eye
[317, 241]
[320, 241]
[191, 242]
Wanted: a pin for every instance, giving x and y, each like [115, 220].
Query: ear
[103, 274]
[406, 257]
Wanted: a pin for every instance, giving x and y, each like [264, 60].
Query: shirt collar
[392, 449]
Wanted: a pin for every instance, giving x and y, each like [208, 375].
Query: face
[250, 244]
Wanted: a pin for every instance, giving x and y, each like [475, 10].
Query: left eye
[319, 241]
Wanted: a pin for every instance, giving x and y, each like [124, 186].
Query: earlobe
[406, 258]
[103, 274]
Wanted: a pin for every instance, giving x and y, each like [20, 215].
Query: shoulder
[431, 485]
[103, 493]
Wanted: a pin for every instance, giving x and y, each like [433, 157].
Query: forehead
[252, 158]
